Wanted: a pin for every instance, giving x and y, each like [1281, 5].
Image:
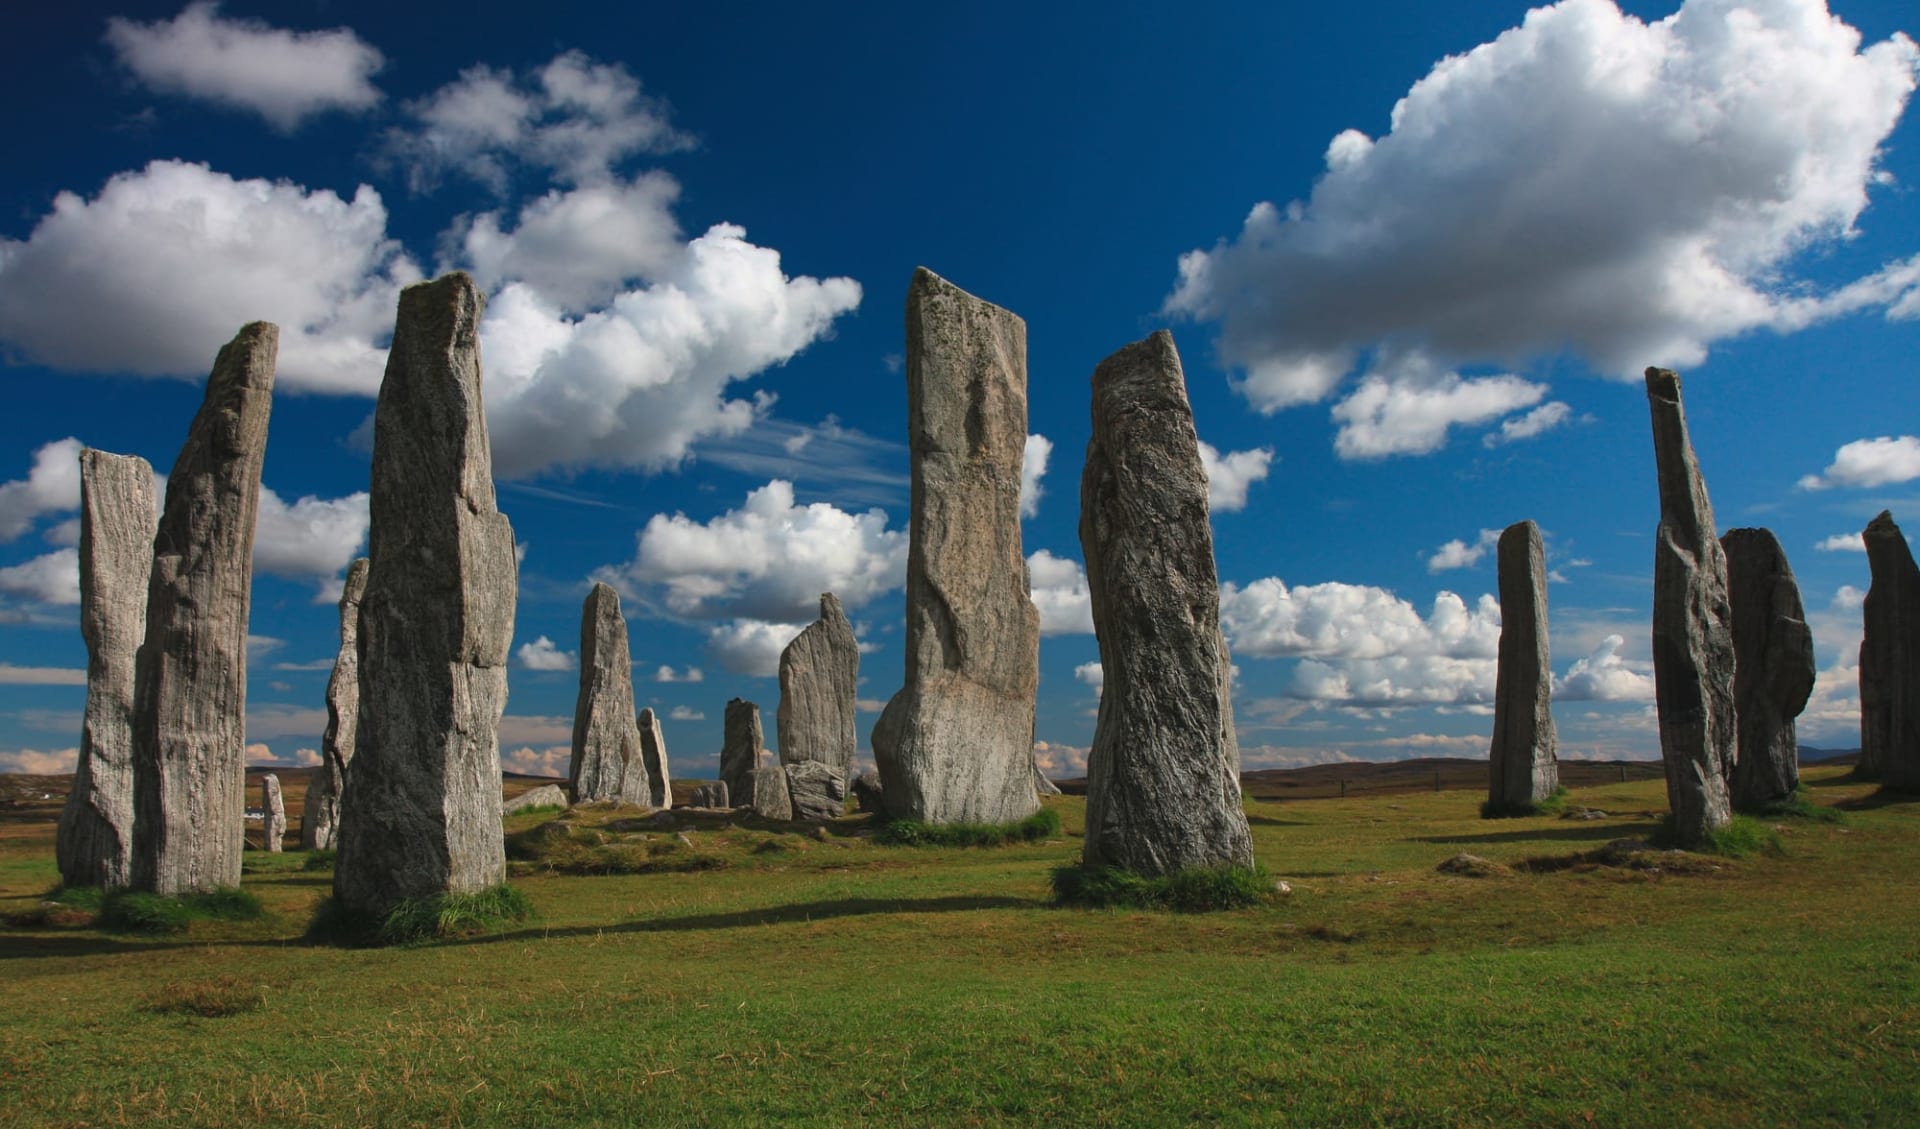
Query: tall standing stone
[94, 844]
[819, 679]
[653, 759]
[1523, 767]
[1890, 660]
[607, 764]
[273, 805]
[742, 744]
[421, 813]
[1693, 659]
[320, 816]
[1163, 775]
[955, 744]
[190, 679]
[1773, 670]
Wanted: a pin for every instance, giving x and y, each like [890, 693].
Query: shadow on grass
[1597, 831]
[772, 915]
[32, 946]
[1269, 821]
[1879, 798]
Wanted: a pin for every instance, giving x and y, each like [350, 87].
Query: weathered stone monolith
[714, 795]
[606, 739]
[1163, 775]
[742, 745]
[94, 842]
[653, 759]
[190, 679]
[955, 744]
[545, 796]
[767, 794]
[421, 813]
[1773, 669]
[815, 790]
[1693, 658]
[320, 814]
[274, 804]
[1523, 767]
[819, 677]
[1890, 660]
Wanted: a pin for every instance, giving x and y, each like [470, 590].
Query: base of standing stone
[1552, 805]
[435, 917]
[1195, 890]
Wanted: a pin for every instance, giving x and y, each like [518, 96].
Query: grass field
[803, 980]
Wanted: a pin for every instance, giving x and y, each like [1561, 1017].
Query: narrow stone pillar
[1523, 767]
[741, 747]
[1773, 670]
[273, 803]
[1890, 660]
[320, 815]
[607, 764]
[653, 758]
[819, 678]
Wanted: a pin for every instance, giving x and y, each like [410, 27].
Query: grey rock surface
[816, 791]
[545, 796]
[867, 792]
[768, 796]
[421, 813]
[190, 678]
[955, 743]
[1890, 660]
[1042, 785]
[1523, 764]
[714, 795]
[1163, 775]
[1692, 629]
[607, 762]
[653, 758]
[742, 748]
[94, 841]
[819, 678]
[274, 803]
[320, 815]
[1773, 668]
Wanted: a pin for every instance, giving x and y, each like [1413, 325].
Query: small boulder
[816, 790]
[711, 795]
[866, 791]
[1464, 865]
[770, 799]
[545, 796]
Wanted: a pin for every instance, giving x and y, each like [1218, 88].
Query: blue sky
[1414, 256]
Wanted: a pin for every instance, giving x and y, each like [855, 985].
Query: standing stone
[1163, 775]
[819, 677]
[955, 744]
[767, 794]
[1773, 670]
[274, 805]
[320, 816]
[421, 813]
[94, 844]
[1523, 767]
[742, 745]
[1890, 660]
[866, 791]
[713, 795]
[1692, 634]
[815, 791]
[653, 758]
[190, 679]
[606, 740]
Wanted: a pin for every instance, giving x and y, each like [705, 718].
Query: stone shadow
[1585, 833]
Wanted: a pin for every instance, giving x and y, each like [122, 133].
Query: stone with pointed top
[653, 759]
[1773, 668]
[819, 678]
[421, 812]
[273, 802]
[1523, 765]
[607, 762]
[320, 814]
[742, 749]
[190, 678]
[94, 842]
[1890, 660]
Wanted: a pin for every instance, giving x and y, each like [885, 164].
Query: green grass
[1198, 890]
[1801, 806]
[318, 860]
[1041, 825]
[419, 921]
[214, 998]
[1740, 837]
[1552, 805]
[130, 911]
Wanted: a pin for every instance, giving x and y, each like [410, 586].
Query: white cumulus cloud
[1407, 406]
[578, 247]
[1842, 543]
[1539, 421]
[544, 654]
[1033, 467]
[1461, 554]
[668, 674]
[1093, 674]
[310, 538]
[1060, 592]
[751, 646]
[1604, 676]
[52, 578]
[52, 486]
[1230, 476]
[1870, 462]
[685, 713]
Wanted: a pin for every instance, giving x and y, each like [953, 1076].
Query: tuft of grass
[1043, 824]
[217, 998]
[1801, 806]
[89, 898]
[1552, 805]
[536, 809]
[1742, 835]
[1199, 890]
[418, 921]
[318, 860]
[129, 911]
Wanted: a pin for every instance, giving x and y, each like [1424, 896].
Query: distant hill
[1811, 755]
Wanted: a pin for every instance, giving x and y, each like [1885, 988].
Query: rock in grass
[1523, 767]
[866, 791]
[1773, 669]
[769, 798]
[711, 795]
[815, 790]
[742, 749]
[653, 758]
[545, 796]
[94, 843]
[274, 804]
[421, 813]
[1464, 865]
[1693, 660]
[190, 679]
[320, 817]
[1890, 660]
[607, 763]
[955, 744]
[1163, 775]
[819, 676]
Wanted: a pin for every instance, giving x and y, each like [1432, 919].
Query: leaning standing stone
[955, 744]
[606, 740]
[1773, 670]
[653, 758]
[1163, 775]
[741, 746]
[190, 694]
[1890, 660]
[819, 677]
[94, 844]
[421, 813]
[1523, 767]
[1692, 638]
[320, 816]
[274, 805]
